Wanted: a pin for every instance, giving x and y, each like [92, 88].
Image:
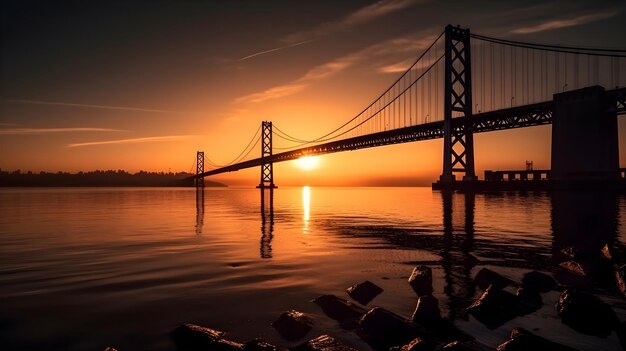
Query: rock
[538, 281]
[523, 340]
[529, 300]
[427, 309]
[416, 344]
[576, 268]
[586, 313]
[620, 279]
[364, 292]
[459, 346]
[338, 308]
[383, 328]
[323, 343]
[421, 280]
[293, 325]
[259, 345]
[495, 307]
[611, 253]
[108, 348]
[487, 277]
[194, 337]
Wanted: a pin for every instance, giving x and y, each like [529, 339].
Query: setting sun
[307, 163]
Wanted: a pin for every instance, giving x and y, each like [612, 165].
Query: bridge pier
[267, 166]
[458, 143]
[199, 168]
[585, 143]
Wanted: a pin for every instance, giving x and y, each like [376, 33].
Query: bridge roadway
[516, 117]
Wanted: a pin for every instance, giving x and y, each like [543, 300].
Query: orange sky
[90, 87]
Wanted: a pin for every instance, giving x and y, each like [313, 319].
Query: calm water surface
[84, 268]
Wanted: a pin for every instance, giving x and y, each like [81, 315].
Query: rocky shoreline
[502, 300]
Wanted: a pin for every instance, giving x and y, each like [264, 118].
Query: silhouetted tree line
[98, 178]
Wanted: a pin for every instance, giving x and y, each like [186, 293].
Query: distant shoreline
[98, 178]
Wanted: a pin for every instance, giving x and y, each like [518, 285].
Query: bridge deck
[516, 117]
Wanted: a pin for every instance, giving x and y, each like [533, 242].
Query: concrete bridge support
[584, 136]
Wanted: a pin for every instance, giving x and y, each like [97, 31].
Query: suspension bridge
[466, 83]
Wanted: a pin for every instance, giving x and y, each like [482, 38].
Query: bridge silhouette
[467, 83]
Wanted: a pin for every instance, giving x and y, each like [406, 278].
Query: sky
[143, 85]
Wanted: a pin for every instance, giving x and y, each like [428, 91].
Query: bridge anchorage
[463, 84]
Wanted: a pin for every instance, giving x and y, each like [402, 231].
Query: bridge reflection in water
[582, 220]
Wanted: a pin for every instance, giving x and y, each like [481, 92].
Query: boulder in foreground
[523, 340]
[486, 277]
[495, 307]
[427, 309]
[421, 280]
[323, 343]
[383, 328]
[194, 337]
[293, 325]
[259, 345]
[538, 281]
[364, 292]
[586, 313]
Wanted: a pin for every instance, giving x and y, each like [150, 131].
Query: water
[85, 268]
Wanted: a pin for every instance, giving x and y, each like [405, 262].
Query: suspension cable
[238, 158]
[374, 114]
[325, 136]
[556, 48]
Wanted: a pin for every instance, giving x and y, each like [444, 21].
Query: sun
[307, 163]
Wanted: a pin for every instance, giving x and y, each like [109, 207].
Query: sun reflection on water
[306, 207]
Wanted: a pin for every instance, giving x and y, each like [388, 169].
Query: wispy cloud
[30, 131]
[564, 22]
[105, 107]
[403, 45]
[273, 50]
[134, 140]
[361, 16]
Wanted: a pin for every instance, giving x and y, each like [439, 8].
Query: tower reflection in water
[267, 222]
[457, 261]
[199, 209]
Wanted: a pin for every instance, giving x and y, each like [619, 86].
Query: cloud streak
[165, 138]
[274, 50]
[31, 131]
[402, 45]
[104, 107]
[564, 22]
[361, 16]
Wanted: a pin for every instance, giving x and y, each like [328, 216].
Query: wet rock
[573, 274]
[383, 328]
[523, 340]
[427, 309]
[421, 280]
[194, 337]
[487, 277]
[577, 268]
[460, 346]
[416, 344]
[444, 331]
[538, 281]
[259, 345]
[620, 279]
[110, 349]
[529, 300]
[570, 253]
[611, 253]
[338, 308]
[495, 307]
[586, 313]
[323, 343]
[293, 325]
[364, 292]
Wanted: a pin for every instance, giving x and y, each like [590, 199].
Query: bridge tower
[458, 143]
[200, 167]
[267, 167]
